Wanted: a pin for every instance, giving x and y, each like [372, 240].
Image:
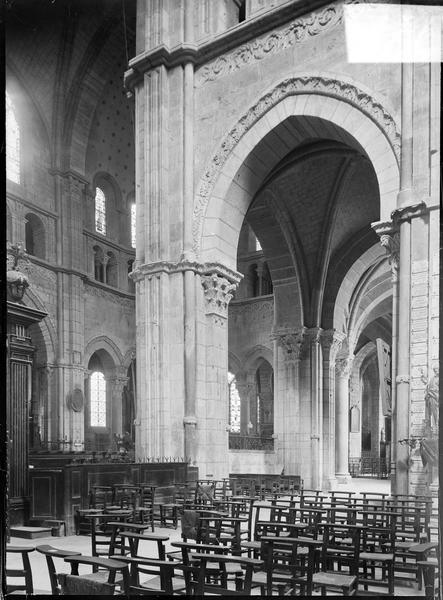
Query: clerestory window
[12, 143]
[100, 211]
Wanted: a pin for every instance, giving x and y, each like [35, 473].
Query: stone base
[342, 479]
[330, 483]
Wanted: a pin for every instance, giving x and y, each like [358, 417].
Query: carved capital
[290, 341]
[331, 342]
[343, 366]
[390, 240]
[218, 293]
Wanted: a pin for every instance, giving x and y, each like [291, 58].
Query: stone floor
[82, 543]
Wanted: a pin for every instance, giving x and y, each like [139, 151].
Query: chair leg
[28, 574]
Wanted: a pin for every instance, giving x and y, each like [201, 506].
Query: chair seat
[102, 576]
[254, 545]
[377, 556]
[334, 579]
[178, 584]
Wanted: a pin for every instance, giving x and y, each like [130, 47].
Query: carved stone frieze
[42, 277]
[256, 311]
[123, 302]
[311, 84]
[280, 39]
[218, 293]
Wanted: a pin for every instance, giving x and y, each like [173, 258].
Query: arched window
[234, 404]
[97, 401]
[12, 143]
[133, 224]
[35, 236]
[111, 270]
[99, 267]
[100, 211]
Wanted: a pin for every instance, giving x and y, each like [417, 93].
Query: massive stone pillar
[117, 382]
[291, 440]
[343, 369]
[331, 342]
[313, 356]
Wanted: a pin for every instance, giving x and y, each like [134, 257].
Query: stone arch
[104, 343]
[234, 363]
[362, 120]
[257, 353]
[46, 326]
[374, 255]
[378, 307]
[129, 356]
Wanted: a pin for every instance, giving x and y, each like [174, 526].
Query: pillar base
[342, 479]
[330, 483]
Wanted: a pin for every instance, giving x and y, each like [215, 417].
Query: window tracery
[234, 404]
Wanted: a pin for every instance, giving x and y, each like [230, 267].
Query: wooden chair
[25, 573]
[75, 585]
[135, 538]
[102, 531]
[377, 551]
[117, 544]
[144, 505]
[110, 569]
[161, 578]
[339, 557]
[288, 565]
[427, 559]
[210, 576]
[50, 553]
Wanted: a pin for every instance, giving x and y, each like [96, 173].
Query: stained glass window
[100, 211]
[98, 399]
[133, 225]
[234, 404]
[12, 143]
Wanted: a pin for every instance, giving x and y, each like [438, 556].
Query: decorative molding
[392, 245]
[148, 270]
[331, 342]
[405, 213]
[42, 277]
[402, 379]
[257, 311]
[290, 341]
[306, 84]
[279, 40]
[218, 292]
[125, 303]
[343, 366]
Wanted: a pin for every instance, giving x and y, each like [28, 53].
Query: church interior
[222, 243]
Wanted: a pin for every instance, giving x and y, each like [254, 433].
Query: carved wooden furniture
[50, 553]
[110, 569]
[24, 574]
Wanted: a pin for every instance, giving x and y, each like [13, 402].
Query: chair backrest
[75, 585]
[153, 567]
[216, 564]
[340, 543]
[110, 565]
[285, 557]
[205, 493]
[379, 530]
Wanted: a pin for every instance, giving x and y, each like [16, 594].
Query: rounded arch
[103, 344]
[373, 256]
[378, 307]
[229, 183]
[47, 328]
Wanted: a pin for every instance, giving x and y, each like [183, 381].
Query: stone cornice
[105, 241]
[38, 209]
[405, 213]
[232, 39]
[151, 269]
[70, 174]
